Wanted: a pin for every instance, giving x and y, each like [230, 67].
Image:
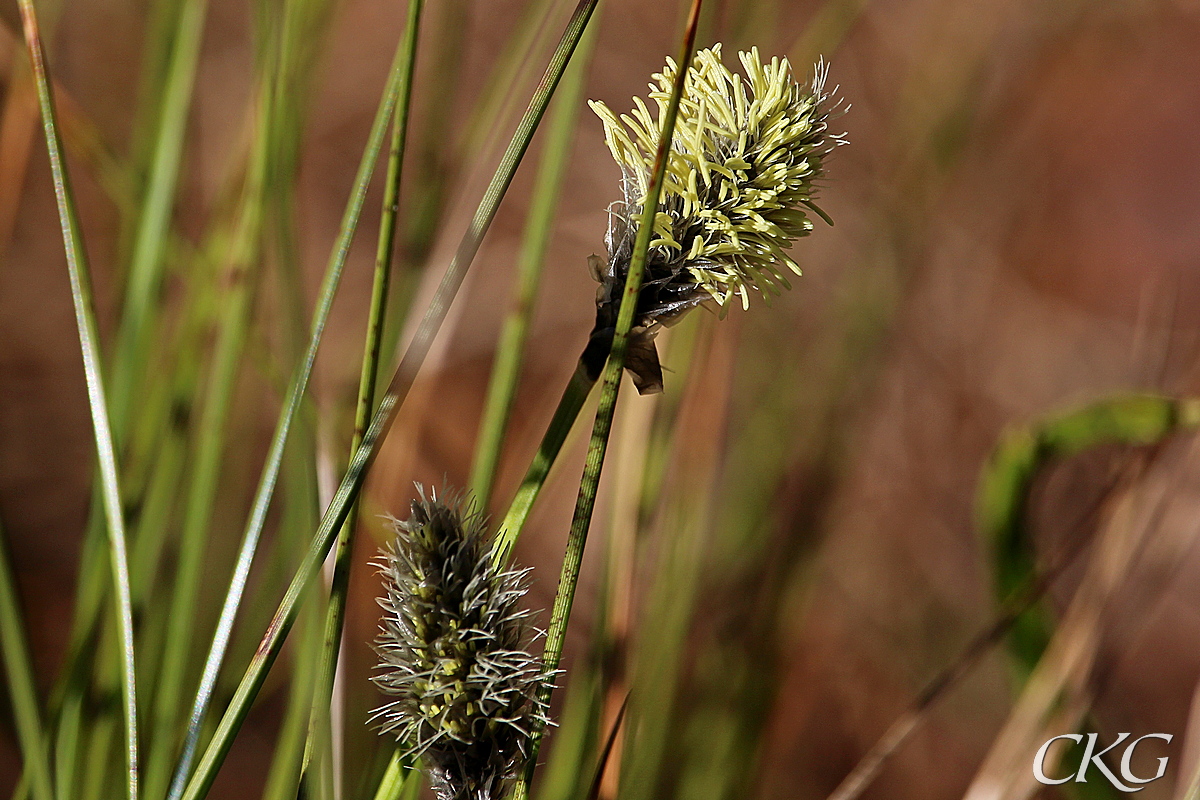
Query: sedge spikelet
[452, 653]
[746, 158]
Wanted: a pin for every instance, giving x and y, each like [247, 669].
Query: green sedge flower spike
[745, 163]
[452, 651]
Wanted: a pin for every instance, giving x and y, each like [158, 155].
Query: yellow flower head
[746, 157]
[745, 160]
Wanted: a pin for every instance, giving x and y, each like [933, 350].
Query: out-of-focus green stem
[400, 780]
[146, 268]
[233, 327]
[347, 492]
[538, 227]
[266, 486]
[21, 689]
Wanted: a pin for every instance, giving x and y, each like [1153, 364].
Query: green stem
[538, 226]
[335, 617]
[598, 446]
[347, 492]
[21, 689]
[569, 406]
[146, 267]
[397, 778]
[81, 295]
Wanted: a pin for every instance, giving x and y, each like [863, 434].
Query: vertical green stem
[146, 268]
[21, 690]
[586, 502]
[81, 295]
[209, 445]
[335, 617]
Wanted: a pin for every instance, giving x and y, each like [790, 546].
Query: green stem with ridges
[335, 617]
[560, 614]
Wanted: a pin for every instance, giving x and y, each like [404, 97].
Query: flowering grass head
[746, 158]
[452, 653]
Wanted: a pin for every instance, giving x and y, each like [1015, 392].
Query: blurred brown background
[1017, 229]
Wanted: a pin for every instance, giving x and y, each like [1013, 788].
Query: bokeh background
[1017, 232]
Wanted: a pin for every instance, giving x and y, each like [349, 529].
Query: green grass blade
[539, 224]
[21, 690]
[340, 583]
[398, 780]
[298, 515]
[577, 537]
[339, 507]
[150, 239]
[567, 772]
[171, 98]
[569, 406]
[270, 475]
[66, 747]
[81, 295]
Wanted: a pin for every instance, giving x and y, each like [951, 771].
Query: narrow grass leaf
[22, 692]
[81, 295]
[565, 414]
[270, 475]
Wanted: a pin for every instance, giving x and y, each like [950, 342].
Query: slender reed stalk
[139, 309]
[613, 371]
[335, 615]
[81, 295]
[347, 492]
[539, 224]
[21, 689]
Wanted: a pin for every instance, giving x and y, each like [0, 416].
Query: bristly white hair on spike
[452, 648]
